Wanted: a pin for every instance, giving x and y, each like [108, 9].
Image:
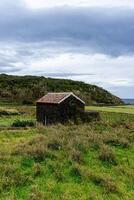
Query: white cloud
[103, 3]
[111, 73]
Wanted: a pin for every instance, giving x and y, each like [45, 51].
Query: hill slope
[26, 89]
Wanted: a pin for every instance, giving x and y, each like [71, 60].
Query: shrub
[23, 123]
[37, 151]
[123, 142]
[13, 177]
[9, 112]
[78, 143]
[8, 170]
[108, 184]
[106, 154]
[119, 142]
[56, 169]
[20, 179]
[58, 175]
[130, 125]
[89, 116]
[37, 169]
[27, 102]
[35, 194]
[76, 156]
[54, 145]
[96, 179]
[36, 148]
[95, 141]
[76, 172]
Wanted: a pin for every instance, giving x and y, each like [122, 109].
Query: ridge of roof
[57, 97]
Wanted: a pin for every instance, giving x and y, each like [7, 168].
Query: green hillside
[26, 89]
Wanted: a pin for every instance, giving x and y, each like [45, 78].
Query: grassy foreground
[75, 162]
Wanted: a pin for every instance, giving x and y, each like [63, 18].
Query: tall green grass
[74, 162]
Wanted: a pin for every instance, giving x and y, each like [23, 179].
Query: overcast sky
[87, 40]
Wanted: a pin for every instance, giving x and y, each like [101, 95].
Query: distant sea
[129, 101]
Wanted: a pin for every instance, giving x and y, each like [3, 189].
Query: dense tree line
[27, 89]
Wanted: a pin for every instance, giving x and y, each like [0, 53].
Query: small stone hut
[56, 108]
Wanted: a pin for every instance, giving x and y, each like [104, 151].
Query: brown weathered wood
[53, 113]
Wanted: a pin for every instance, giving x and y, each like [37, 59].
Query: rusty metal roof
[57, 98]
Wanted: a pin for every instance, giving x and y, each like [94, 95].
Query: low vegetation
[92, 161]
[8, 112]
[23, 123]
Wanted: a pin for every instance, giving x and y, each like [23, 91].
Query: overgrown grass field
[92, 161]
[116, 109]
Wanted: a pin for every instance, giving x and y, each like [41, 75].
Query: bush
[118, 142]
[58, 174]
[89, 116]
[123, 142]
[9, 112]
[23, 123]
[95, 141]
[76, 172]
[106, 154]
[54, 145]
[37, 151]
[12, 176]
[36, 148]
[35, 195]
[76, 156]
[37, 169]
[108, 184]
[27, 102]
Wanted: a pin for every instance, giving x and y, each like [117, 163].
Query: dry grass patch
[117, 142]
[37, 169]
[35, 194]
[107, 183]
[36, 148]
[12, 177]
[107, 155]
[76, 156]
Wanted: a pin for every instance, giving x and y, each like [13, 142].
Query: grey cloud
[64, 75]
[28, 36]
[9, 69]
[109, 31]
